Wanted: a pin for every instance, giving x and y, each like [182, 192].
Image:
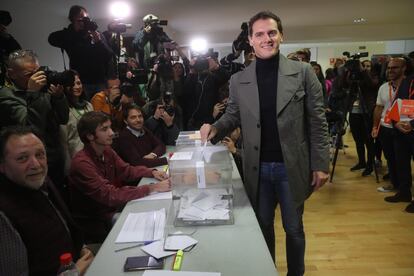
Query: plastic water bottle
[67, 266]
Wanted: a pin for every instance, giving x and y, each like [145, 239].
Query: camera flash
[119, 10]
[199, 45]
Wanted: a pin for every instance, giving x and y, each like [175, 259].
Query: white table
[233, 250]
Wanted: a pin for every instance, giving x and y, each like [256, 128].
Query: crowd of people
[74, 144]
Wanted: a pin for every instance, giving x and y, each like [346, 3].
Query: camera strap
[63, 57]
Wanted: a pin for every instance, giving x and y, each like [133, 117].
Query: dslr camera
[89, 25]
[201, 64]
[65, 78]
[167, 103]
[127, 89]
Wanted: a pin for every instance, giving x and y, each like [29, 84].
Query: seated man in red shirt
[136, 144]
[98, 176]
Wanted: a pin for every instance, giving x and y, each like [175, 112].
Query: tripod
[353, 94]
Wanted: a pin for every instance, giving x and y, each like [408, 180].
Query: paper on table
[181, 155]
[178, 273]
[156, 196]
[142, 227]
[179, 242]
[156, 249]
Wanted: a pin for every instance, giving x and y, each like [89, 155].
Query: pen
[133, 246]
[178, 260]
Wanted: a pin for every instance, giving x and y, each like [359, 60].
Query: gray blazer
[301, 123]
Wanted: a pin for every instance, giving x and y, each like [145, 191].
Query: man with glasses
[26, 100]
[88, 51]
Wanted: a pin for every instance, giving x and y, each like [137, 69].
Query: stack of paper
[178, 273]
[143, 227]
[204, 205]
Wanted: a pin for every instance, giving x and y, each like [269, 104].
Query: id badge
[407, 108]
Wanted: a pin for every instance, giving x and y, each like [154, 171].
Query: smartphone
[142, 263]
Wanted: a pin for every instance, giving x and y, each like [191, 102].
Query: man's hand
[374, 132]
[162, 186]
[159, 175]
[95, 36]
[158, 112]
[37, 81]
[207, 132]
[86, 258]
[319, 179]
[168, 120]
[113, 94]
[56, 91]
[230, 144]
[212, 65]
[404, 127]
[147, 29]
[218, 108]
[150, 155]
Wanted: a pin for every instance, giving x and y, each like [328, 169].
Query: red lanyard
[390, 92]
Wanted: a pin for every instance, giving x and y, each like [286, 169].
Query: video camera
[156, 29]
[353, 65]
[139, 76]
[65, 78]
[242, 41]
[201, 63]
[118, 27]
[89, 25]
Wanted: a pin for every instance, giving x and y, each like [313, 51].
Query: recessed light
[360, 20]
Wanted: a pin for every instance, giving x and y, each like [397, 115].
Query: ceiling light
[360, 20]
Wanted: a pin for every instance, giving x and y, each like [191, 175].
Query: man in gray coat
[279, 105]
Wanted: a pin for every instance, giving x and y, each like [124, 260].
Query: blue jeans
[274, 189]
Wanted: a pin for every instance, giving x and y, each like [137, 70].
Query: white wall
[322, 52]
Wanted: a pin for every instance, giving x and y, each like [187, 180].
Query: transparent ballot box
[201, 184]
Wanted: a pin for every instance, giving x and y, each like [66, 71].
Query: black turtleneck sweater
[267, 75]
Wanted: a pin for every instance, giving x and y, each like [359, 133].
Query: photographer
[30, 99]
[162, 78]
[112, 100]
[7, 43]
[241, 44]
[88, 51]
[362, 97]
[201, 89]
[166, 118]
[148, 41]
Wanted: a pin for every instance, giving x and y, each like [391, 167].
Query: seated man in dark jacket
[137, 144]
[88, 51]
[34, 207]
